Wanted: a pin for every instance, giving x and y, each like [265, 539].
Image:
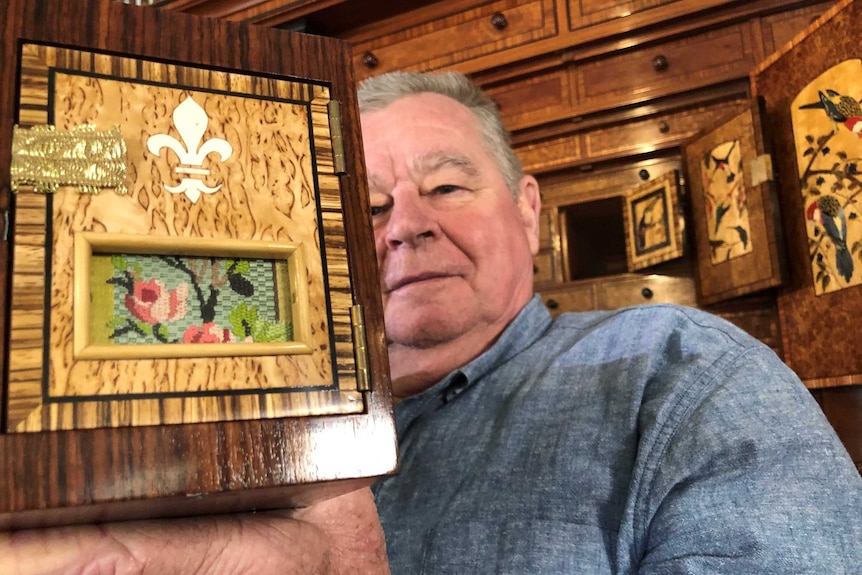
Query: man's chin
[422, 334]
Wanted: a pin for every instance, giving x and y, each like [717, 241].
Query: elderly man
[655, 439]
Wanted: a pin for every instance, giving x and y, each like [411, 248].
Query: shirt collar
[530, 323]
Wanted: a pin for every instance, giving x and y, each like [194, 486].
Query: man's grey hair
[378, 92]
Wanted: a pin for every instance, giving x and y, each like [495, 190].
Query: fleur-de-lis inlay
[191, 122]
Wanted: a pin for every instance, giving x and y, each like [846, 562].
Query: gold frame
[87, 243]
[667, 187]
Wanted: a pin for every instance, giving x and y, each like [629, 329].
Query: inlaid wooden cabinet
[190, 305]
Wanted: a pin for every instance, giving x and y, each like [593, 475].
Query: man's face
[453, 246]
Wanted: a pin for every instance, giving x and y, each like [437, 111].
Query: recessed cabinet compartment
[594, 241]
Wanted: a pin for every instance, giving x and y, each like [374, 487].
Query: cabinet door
[191, 282]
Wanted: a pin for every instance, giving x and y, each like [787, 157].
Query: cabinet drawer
[574, 298]
[584, 13]
[655, 133]
[621, 140]
[628, 291]
[459, 36]
[554, 153]
[534, 100]
[779, 29]
[665, 68]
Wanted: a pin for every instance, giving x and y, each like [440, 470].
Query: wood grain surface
[53, 477]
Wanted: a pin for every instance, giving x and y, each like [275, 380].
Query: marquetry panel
[277, 190]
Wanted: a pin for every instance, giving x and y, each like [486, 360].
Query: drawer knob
[644, 175]
[552, 304]
[663, 127]
[498, 21]
[660, 63]
[647, 293]
[369, 60]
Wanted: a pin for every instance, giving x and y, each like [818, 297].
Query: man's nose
[411, 221]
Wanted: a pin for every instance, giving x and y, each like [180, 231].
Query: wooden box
[191, 310]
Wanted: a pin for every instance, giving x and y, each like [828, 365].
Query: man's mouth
[414, 279]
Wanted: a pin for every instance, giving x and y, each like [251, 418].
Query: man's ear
[529, 205]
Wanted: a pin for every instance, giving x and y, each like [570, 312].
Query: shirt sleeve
[747, 476]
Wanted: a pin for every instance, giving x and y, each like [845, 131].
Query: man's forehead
[425, 164]
[434, 161]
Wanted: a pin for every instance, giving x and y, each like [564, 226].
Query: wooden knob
[552, 304]
[663, 127]
[498, 21]
[660, 63]
[369, 60]
[647, 293]
[644, 175]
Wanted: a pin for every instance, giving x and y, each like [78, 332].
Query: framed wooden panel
[812, 93]
[734, 209]
[653, 222]
[193, 305]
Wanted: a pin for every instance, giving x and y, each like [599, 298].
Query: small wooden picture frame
[739, 246]
[653, 225]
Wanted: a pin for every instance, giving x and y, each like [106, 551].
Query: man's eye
[447, 189]
[377, 210]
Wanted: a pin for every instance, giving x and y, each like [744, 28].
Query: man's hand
[339, 536]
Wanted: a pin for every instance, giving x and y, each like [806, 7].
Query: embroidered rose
[152, 303]
[208, 333]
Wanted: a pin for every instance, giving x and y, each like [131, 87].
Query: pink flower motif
[208, 333]
[152, 303]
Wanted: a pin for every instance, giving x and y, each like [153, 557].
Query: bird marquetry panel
[827, 129]
[179, 248]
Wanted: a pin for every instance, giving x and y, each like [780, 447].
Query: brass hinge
[360, 351]
[335, 134]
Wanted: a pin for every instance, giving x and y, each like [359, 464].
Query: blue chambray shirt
[654, 439]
